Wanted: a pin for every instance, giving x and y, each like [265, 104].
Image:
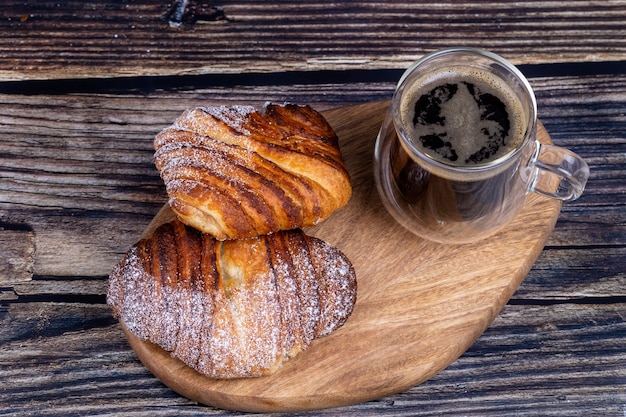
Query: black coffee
[463, 117]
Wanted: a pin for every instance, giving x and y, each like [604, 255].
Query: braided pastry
[234, 172]
[235, 308]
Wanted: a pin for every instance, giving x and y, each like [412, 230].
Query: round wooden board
[420, 304]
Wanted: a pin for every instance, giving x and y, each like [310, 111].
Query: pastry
[235, 172]
[234, 308]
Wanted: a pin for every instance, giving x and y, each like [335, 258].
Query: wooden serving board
[420, 304]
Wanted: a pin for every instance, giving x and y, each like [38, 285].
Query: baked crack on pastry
[235, 172]
[235, 308]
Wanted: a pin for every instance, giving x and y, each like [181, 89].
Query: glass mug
[461, 191]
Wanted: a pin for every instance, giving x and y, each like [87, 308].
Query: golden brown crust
[234, 172]
[235, 308]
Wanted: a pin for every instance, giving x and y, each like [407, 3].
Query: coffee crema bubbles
[462, 117]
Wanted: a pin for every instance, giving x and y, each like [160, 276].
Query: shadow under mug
[462, 203]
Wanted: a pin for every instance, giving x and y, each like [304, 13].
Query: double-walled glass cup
[455, 202]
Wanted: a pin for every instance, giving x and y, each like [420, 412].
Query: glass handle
[559, 173]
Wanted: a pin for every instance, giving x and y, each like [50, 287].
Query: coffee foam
[463, 124]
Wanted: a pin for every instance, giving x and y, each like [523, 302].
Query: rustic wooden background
[85, 86]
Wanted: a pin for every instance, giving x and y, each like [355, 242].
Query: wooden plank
[583, 274]
[75, 39]
[548, 360]
[77, 168]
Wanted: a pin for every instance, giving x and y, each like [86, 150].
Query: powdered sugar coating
[234, 116]
[336, 271]
[235, 308]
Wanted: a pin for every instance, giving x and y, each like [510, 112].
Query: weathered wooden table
[85, 86]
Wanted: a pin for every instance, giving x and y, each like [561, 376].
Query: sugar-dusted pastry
[235, 308]
[235, 172]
